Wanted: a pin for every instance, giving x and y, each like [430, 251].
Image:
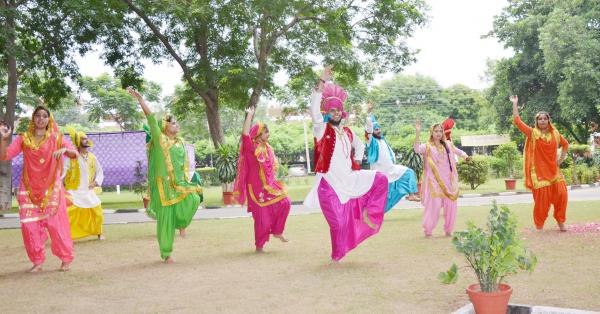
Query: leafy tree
[38, 42]
[404, 98]
[467, 106]
[108, 101]
[474, 172]
[510, 154]
[556, 64]
[229, 51]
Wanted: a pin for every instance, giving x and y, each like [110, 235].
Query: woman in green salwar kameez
[173, 198]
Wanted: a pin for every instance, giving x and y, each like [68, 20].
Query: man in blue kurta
[402, 180]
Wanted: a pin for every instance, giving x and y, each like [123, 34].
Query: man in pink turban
[352, 200]
[256, 183]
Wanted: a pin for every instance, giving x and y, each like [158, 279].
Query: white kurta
[84, 197]
[384, 164]
[345, 182]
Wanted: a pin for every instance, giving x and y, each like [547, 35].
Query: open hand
[369, 107]
[327, 73]
[59, 152]
[5, 132]
[514, 99]
[418, 125]
[133, 92]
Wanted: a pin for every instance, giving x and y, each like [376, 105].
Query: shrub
[473, 172]
[585, 174]
[493, 253]
[498, 166]
[510, 154]
[282, 171]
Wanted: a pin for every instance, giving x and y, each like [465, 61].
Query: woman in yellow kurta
[541, 167]
[173, 198]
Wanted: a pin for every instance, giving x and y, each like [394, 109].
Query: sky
[451, 48]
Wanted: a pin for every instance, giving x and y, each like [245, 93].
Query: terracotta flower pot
[228, 198]
[510, 184]
[489, 302]
[419, 188]
[146, 201]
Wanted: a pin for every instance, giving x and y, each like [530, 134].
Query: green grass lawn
[217, 271]
[297, 188]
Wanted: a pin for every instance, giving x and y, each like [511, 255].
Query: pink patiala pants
[431, 215]
[347, 224]
[35, 236]
[269, 220]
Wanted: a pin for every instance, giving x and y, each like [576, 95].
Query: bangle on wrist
[322, 80]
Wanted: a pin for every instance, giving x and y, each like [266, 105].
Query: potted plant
[226, 157]
[413, 161]
[509, 153]
[493, 254]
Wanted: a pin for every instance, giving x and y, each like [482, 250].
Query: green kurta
[173, 199]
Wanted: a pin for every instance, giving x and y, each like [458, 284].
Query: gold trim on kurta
[267, 203]
[535, 135]
[32, 219]
[436, 175]
[42, 203]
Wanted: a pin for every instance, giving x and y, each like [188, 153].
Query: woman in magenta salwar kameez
[256, 183]
[439, 188]
[41, 195]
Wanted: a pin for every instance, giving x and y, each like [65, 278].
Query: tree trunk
[213, 117]
[11, 102]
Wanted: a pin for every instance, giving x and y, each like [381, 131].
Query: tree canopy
[556, 66]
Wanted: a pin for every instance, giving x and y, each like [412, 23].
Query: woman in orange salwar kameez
[541, 167]
[41, 195]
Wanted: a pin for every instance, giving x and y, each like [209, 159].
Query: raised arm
[133, 92]
[5, 134]
[248, 121]
[514, 99]
[315, 103]
[417, 147]
[369, 121]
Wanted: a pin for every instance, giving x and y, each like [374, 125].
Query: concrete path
[585, 193]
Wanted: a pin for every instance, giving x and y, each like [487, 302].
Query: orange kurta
[542, 173]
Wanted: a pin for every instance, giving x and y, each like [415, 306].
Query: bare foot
[448, 234]
[413, 198]
[259, 250]
[35, 269]
[64, 267]
[101, 237]
[539, 228]
[562, 227]
[169, 260]
[182, 233]
[428, 236]
[281, 237]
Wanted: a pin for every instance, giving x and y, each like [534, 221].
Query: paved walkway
[586, 193]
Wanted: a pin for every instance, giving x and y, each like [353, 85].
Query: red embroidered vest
[324, 150]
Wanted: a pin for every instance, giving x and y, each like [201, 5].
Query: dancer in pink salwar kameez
[255, 183]
[439, 188]
[41, 195]
[352, 200]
